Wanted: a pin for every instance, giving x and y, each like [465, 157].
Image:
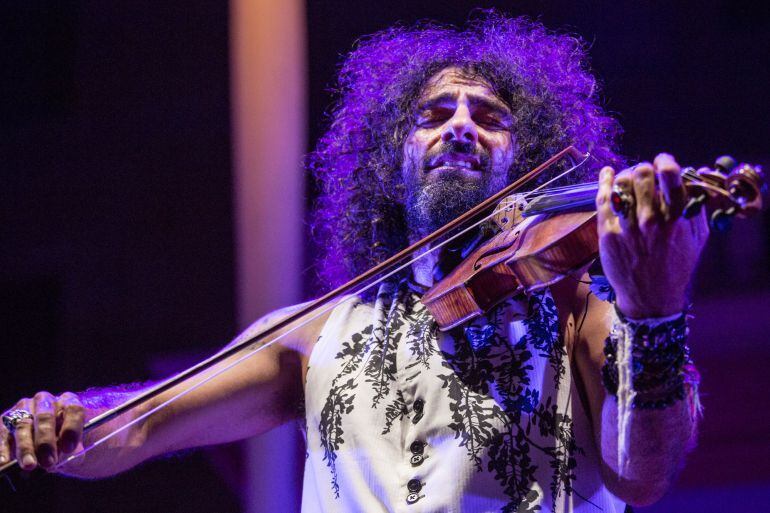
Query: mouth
[460, 161]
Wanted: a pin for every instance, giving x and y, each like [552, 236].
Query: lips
[455, 160]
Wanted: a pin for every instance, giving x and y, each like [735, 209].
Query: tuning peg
[722, 219]
[693, 206]
[725, 164]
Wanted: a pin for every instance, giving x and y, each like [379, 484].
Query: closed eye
[433, 117]
[491, 119]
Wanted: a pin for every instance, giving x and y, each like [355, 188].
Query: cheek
[414, 148]
[501, 151]
[497, 154]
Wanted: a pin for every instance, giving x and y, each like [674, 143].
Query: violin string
[320, 312]
[541, 187]
[585, 186]
[565, 188]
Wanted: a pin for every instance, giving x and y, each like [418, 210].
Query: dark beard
[431, 206]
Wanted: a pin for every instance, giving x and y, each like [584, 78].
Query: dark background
[116, 209]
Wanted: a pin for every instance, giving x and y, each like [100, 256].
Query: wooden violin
[543, 240]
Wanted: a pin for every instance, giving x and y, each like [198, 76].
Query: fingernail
[68, 447]
[3, 459]
[50, 460]
[28, 461]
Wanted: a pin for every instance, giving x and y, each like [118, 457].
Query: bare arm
[256, 395]
[658, 438]
[648, 252]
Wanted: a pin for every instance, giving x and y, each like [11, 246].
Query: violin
[542, 236]
[540, 242]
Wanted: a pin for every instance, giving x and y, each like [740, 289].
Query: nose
[460, 127]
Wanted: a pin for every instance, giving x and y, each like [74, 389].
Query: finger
[5, 445]
[605, 216]
[44, 410]
[73, 418]
[671, 186]
[625, 174]
[23, 439]
[624, 184]
[644, 194]
[699, 228]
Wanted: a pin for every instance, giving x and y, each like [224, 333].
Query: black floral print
[394, 411]
[497, 415]
[374, 348]
[494, 409]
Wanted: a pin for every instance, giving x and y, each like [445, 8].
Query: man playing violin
[555, 401]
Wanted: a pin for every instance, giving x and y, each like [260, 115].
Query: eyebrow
[490, 103]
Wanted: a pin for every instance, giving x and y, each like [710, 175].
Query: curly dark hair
[543, 76]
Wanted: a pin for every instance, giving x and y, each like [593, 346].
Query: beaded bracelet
[659, 360]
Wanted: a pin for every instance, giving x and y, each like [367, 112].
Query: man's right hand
[54, 430]
[243, 400]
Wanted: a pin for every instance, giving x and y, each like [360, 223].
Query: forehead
[454, 81]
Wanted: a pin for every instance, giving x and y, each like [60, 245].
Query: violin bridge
[508, 213]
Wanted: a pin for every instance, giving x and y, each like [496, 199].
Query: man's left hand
[649, 253]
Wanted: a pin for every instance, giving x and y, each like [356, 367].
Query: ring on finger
[13, 418]
[621, 202]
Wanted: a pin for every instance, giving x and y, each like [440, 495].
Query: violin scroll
[729, 190]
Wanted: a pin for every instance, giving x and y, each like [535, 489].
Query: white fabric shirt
[401, 417]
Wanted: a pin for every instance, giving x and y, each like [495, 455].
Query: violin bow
[315, 309]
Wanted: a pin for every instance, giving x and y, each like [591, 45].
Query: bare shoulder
[585, 323]
[583, 316]
[297, 335]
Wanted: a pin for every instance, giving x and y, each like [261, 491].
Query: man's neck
[422, 269]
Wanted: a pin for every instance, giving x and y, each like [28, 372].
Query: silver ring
[13, 418]
[621, 202]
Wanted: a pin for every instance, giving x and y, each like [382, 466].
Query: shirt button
[417, 447]
[414, 485]
[416, 460]
[412, 498]
[417, 406]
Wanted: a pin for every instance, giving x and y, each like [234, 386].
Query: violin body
[533, 254]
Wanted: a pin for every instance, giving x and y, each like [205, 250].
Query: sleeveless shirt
[401, 417]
